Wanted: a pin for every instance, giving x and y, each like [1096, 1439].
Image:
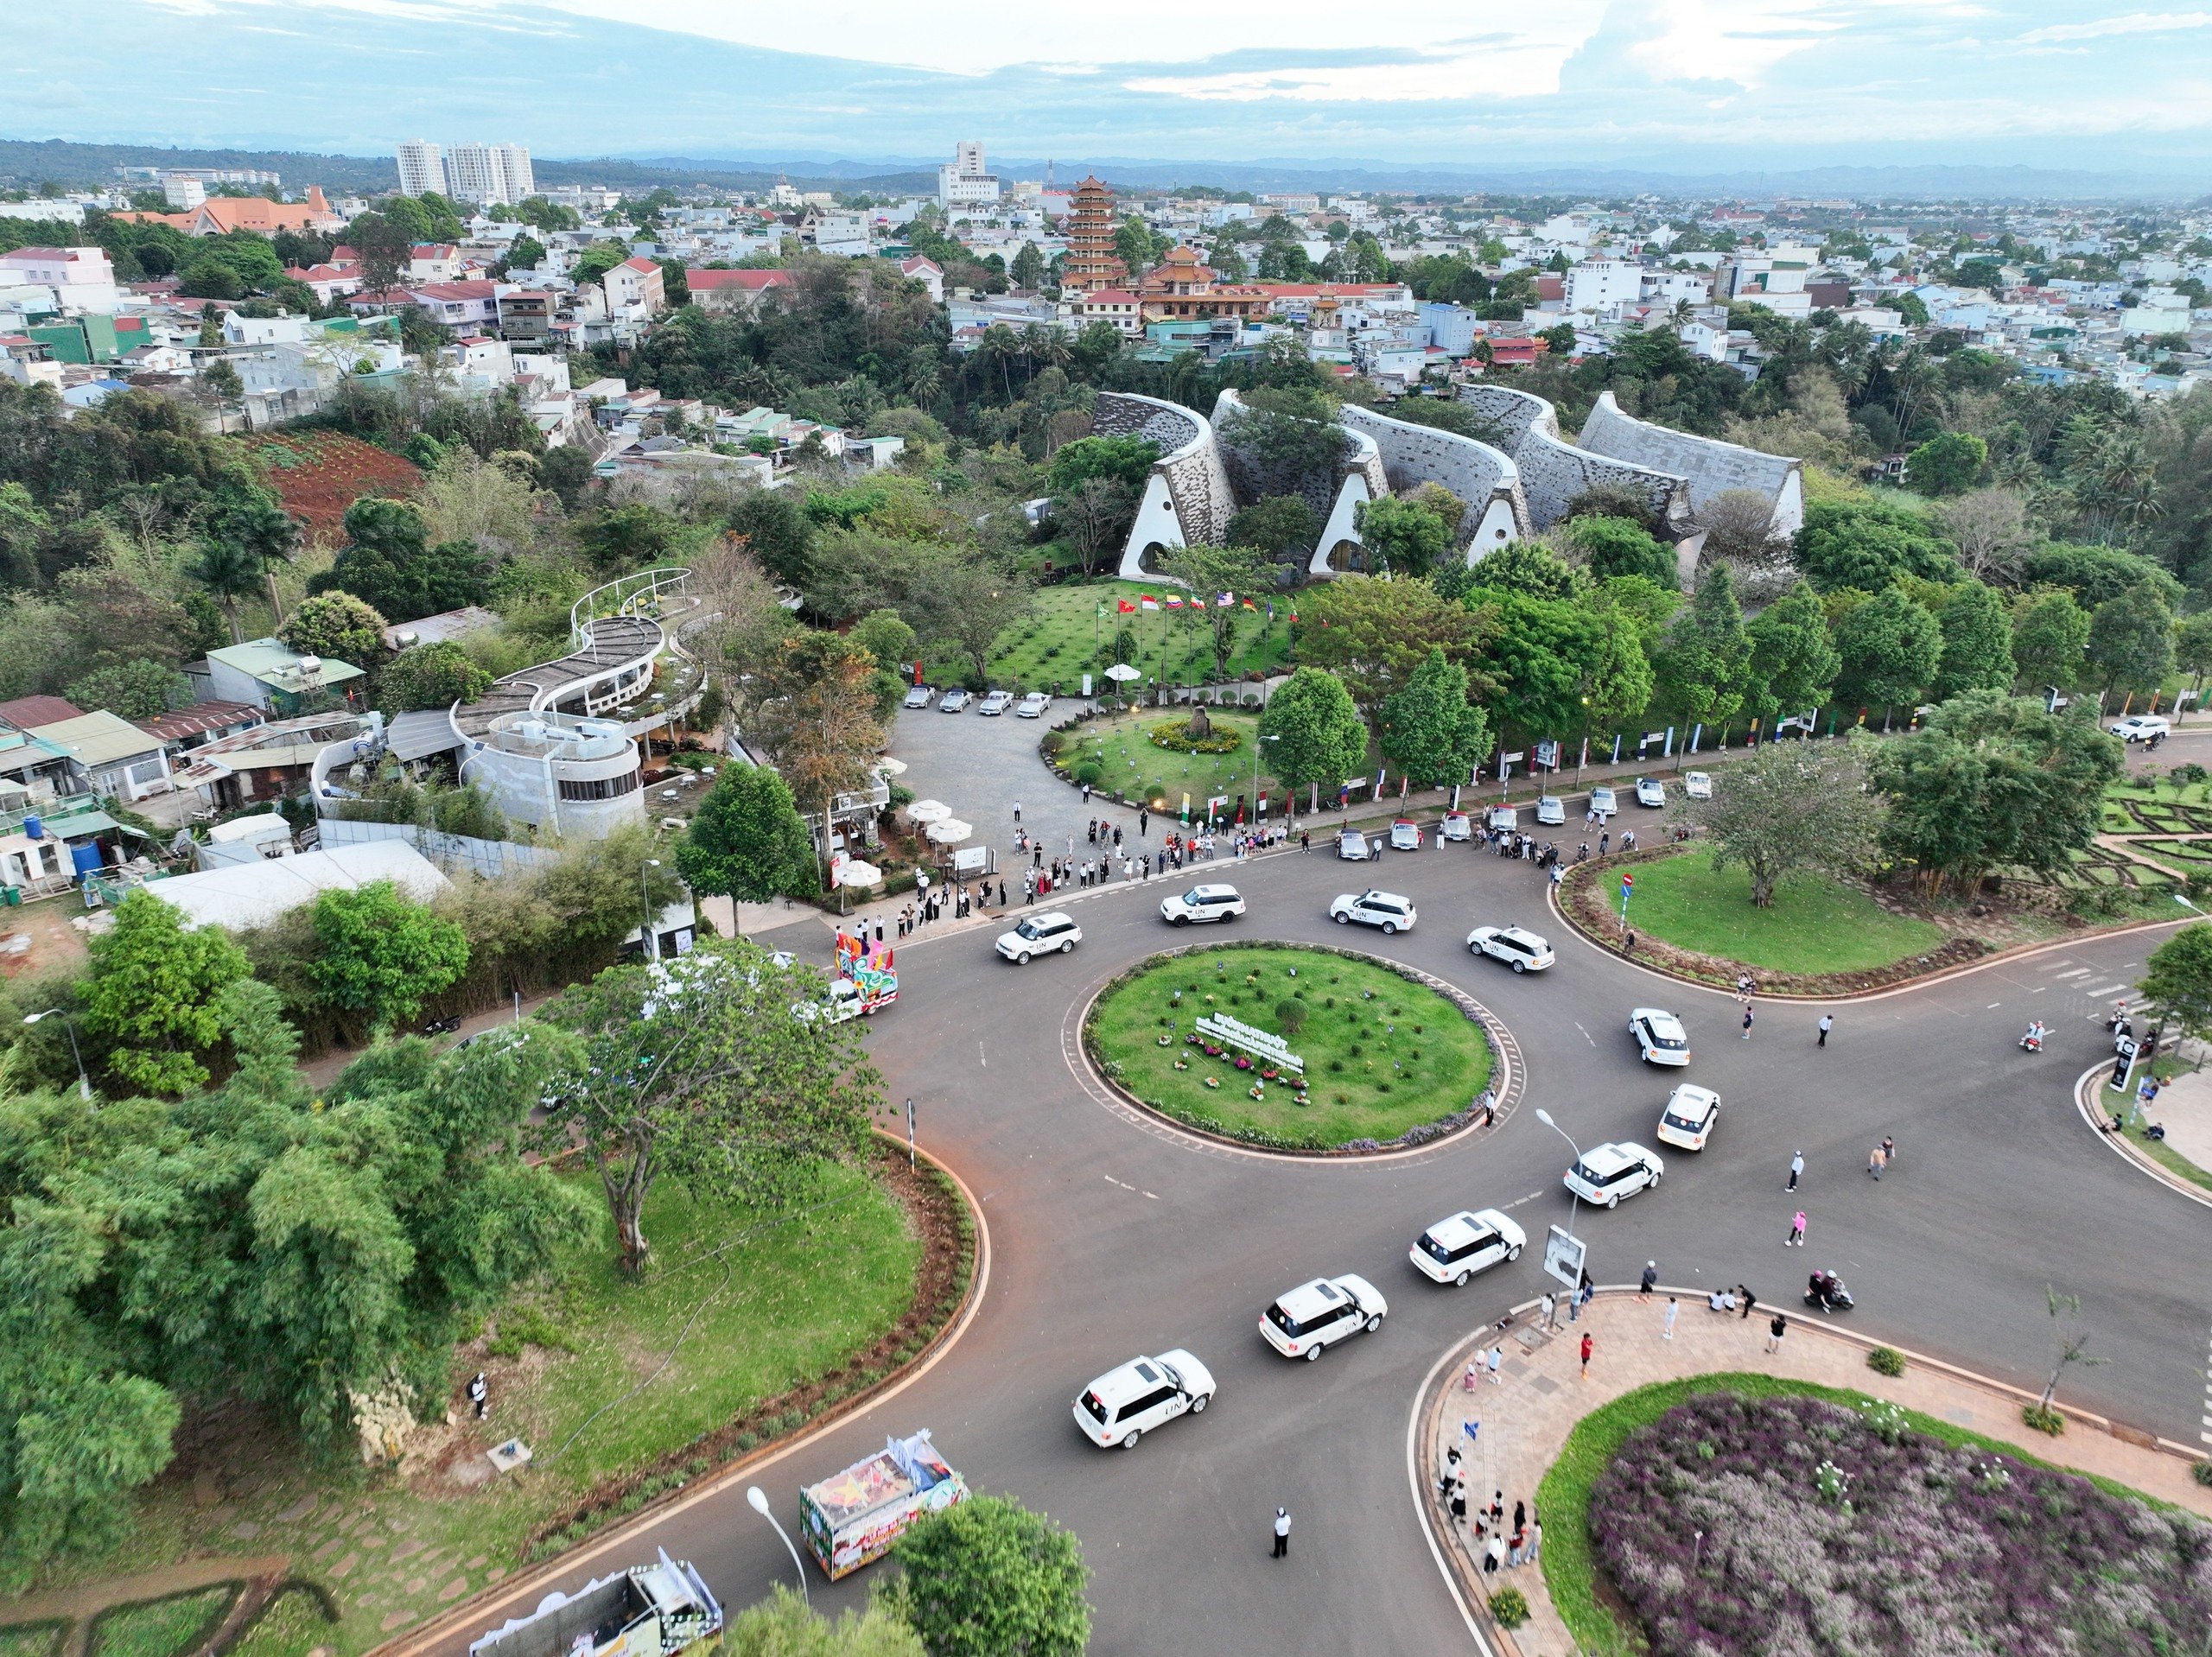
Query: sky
[1660, 86]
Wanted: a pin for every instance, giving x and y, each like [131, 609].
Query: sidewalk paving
[1526, 1418]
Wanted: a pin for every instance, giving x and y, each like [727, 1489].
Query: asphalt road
[1110, 1238]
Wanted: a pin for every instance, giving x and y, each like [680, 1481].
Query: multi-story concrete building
[489, 173]
[421, 167]
[962, 185]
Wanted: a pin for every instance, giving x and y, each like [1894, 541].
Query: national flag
[1293, 618]
[1102, 609]
[1147, 602]
[1271, 612]
[1173, 602]
[1255, 609]
[1224, 600]
[1123, 608]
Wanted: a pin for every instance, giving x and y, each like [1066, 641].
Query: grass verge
[294, 1623]
[1068, 637]
[32, 1639]
[1572, 1575]
[1383, 1052]
[161, 1627]
[1814, 924]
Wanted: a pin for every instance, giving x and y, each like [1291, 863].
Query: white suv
[1659, 1038]
[1522, 951]
[1321, 1313]
[1606, 1173]
[1453, 1250]
[1689, 1119]
[1202, 903]
[1384, 909]
[1040, 935]
[2140, 727]
[1123, 1405]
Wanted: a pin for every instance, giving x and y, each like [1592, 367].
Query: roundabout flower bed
[1388, 1058]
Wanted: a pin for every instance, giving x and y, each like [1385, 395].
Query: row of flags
[1148, 605]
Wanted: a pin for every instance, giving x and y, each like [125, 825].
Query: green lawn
[161, 1628]
[1813, 925]
[32, 1639]
[1128, 762]
[291, 1624]
[780, 1298]
[1068, 637]
[1383, 1053]
[1570, 1564]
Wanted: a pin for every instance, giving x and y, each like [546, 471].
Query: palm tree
[229, 570]
[268, 537]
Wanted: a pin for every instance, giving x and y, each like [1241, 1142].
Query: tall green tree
[1703, 669]
[1977, 643]
[436, 675]
[1891, 649]
[1789, 808]
[1318, 738]
[2050, 638]
[2177, 980]
[1621, 546]
[696, 1068]
[1430, 730]
[265, 533]
[1374, 633]
[382, 955]
[1868, 544]
[779, 533]
[1403, 536]
[155, 990]
[1948, 464]
[1794, 659]
[1211, 572]
[1027, 270]
[1993, 782]
[1545, 660]
[990, 1578]
[2131, 640]
[2193, 645]
[747, 842]
[229, 571]
[386, 563]
[337, 626]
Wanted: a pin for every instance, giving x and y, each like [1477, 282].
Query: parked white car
[920, 696]
[1456, 825]
[1504, 818]
[1405, 836]
[1650, 791]
[996, 703]
[954, 700]
[1039, 934]
[1522, 951]
[1354, 846]
[1660, 1037]
[1603, 803]
[1123, 1405]
[1371, 908]
[1691, 1114]
[1551, 811]
[1033, 705]
[1606, 1173]
[1202, 903]
[2141, 727]
[1453, 1250]
[1320, 1314]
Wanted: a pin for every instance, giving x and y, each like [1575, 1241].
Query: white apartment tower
[963, 183]
[421, 167]
[489, 173]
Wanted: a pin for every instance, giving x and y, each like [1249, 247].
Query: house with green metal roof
[272, 674]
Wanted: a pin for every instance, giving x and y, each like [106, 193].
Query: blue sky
[1665, 86]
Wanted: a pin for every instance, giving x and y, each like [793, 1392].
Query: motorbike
[2032, 1042]
[441, 1026]
[1826, 1290]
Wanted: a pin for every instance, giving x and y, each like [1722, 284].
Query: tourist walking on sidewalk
[1775, 1331]
[1668, 1333]
[1586, 1344]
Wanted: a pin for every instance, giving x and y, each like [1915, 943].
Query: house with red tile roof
[732, 292]
[221, 214]
[635, 283]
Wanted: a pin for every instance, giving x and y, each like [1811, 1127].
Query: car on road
[1606, 1173]
[1454, 1249]
[1123, 1405]
[1504, 819]
[1039, 934]
[1650, 791]
[1202, 903]
[1659, 1036]
[920, 696]
[1691, 1114]
[1371, 908]
[1353, 846]
[1603, 803]
[1697, 784]
[996, 703]
[1405, 836]
[955, 700]
[2141, 727]
[1551, 811]
[1456, 825]
[1321, 1313]
[1033, 705]
[1522, 951]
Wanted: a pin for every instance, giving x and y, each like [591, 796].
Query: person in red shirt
[1586, 1344]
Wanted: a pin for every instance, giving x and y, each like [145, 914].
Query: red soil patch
[318, 474]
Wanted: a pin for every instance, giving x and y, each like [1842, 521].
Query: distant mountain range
[26, 164]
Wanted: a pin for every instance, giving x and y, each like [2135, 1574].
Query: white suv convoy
[1522, 951]
[1659, 1038]
[1202, 903]
[1123, 1405]
[1606, 1173]
[1372, 908]
[1454, 1249]
[1321, 1313]
[1040, 935]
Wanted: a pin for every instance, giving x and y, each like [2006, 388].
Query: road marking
[1587, 1036]
[1518, 1201]
[1110, 1180]
[1997, 1004]
[2207, 1436]
[2078, 971]
[980, 1059]
[1153, 1194]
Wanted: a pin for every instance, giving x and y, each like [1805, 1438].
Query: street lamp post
[651, 950]
[1574, 1206]
[84, 1083]
[757, 1499]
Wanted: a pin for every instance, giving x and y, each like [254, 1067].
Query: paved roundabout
[1114, 1232]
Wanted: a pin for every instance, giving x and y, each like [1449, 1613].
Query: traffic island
[1295, 1047]
[1826, 1433]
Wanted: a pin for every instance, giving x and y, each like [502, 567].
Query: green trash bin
[12, 896]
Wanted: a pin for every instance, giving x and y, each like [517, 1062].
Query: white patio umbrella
[887, 766]
[928, 811]
[855, 873]
[1122, 673]
[947, 831]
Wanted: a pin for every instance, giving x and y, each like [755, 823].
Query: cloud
[2135, 23]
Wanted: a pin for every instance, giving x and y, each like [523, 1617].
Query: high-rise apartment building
[422, 168]
[489, 173]
[963, 183]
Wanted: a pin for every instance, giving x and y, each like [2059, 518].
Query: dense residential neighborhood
[605, 770]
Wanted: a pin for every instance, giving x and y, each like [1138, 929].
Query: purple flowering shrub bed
[1829, 1530]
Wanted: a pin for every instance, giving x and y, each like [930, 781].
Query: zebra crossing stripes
[2205, 1435]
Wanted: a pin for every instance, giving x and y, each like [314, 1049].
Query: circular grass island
[1387, 1057]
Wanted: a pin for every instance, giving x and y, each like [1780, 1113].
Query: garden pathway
[1526, 1418]
[76, 1607]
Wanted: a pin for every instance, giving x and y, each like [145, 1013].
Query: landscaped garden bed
[1124, 755]
[1067, 638]
[1388, 1059]
[1739, 1514]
